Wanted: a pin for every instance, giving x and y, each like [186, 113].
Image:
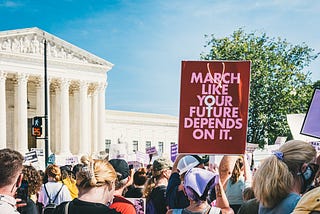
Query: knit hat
[186, 163]
[120, 166]
[200, 181]
[161, 164]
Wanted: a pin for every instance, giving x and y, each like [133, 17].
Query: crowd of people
[286, 182]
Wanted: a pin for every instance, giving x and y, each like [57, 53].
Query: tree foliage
[279, 85]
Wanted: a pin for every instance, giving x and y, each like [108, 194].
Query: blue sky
[146, 40]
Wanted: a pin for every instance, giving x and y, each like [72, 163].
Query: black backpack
[51, 205]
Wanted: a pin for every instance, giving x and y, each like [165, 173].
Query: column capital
[64, 83]
[21, 78]
[39, 82]
[3, 75]
[102, 86]
[83, 83]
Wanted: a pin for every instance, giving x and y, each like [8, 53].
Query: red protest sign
[214, 107]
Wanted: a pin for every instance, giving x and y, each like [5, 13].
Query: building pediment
[29, 42]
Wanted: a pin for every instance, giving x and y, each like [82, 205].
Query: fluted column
[101, 119]
[94, 121]
[84, 138]
[3, 117]
[22, 126]
[65, 118]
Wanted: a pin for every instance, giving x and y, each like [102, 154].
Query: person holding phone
[29, 189]
[10, 179]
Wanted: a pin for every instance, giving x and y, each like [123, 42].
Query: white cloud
[11, 4]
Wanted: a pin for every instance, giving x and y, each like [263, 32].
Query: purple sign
[174, 152]
[311, 125]
[151, 150]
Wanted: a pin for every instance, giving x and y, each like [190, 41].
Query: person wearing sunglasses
[284, 176]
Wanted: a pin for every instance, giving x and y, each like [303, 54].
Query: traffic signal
[37, 126]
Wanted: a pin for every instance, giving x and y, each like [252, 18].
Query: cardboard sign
[31, 157]
[139, 204]
[72, 160]
[316, 145]
[39, 151]
[311, 125]
[214, 107]
[151, 150]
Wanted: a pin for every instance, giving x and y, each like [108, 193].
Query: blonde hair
[275, 178]
[96, 174]
[53, 171]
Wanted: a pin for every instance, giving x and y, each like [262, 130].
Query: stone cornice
[28, 44]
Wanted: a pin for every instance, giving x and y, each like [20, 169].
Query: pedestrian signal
[36, 126]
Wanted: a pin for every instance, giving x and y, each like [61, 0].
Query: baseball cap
[161, 164]
[199, 180]
[204, 159]
[186, 163]
[309, 202]
[120, 166]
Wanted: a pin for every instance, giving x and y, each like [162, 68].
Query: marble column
[65, 118]
[22, 126]
[102, 118]
[3, 117]
[95, 119]
[84, 137]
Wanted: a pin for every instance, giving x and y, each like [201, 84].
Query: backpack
[150, 208]
[51, 205]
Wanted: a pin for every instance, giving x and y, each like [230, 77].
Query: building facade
[139, 131]
[77, 81]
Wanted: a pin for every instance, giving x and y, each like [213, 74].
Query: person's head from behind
[198, 183]
[32, 176]
[161, 168]
[10, 171]
[186, 163]
[123, 172]
[53, 172]
[98, 176]
[140, 176]
[290, 166]
[66, 172]
[248, 194]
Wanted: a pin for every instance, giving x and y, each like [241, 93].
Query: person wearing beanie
[124, 179]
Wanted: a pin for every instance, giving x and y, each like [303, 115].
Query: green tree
[316, 84]
[280, 83]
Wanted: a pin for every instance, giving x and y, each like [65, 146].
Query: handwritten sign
[214, 107]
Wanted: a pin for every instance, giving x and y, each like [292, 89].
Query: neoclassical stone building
[77, 82]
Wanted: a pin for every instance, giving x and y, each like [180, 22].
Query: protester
[124, 179]
[69, 180]
[197, 185]
[10, 179]
[156, 186]
[33, 182]
[250, 203]
[139, 180]
[175, 195]
[53, 191]
[240, 179]
[96, 184]
[282, 177]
